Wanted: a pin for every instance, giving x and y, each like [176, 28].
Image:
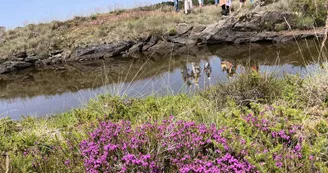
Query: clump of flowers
[160, 147]
[286, 146]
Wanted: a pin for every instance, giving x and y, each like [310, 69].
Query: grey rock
[162, 48]
[100, 51]
[21, 54]
[31, 59]
[152, 41]
[183, 28]
[136, 49]
[248, 27]
[55, 52]
[198, 28]
[9, 66]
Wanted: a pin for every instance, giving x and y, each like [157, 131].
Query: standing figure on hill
[217, 2]
[187, 6]
[176, 5]
[242, 3]
[201, 3]
[225, 5]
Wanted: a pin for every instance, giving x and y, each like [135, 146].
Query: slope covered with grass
[139, 23]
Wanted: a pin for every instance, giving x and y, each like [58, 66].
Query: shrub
[306, 22]
[166, 147]
[246, 88]
[313, 9]
[94, 16]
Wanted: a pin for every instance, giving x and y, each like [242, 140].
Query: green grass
[44, 144]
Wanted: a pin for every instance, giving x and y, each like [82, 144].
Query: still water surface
[42, 92]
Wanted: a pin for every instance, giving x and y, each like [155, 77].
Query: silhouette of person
[195, 73]
[208, 70]
[185, 75]
[229, 68]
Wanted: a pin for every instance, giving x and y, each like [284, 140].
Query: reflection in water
[185, 75]
[208, 70]
[36, 92]
[229, 68]
[195, 73]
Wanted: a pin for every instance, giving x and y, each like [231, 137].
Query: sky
[14, 13]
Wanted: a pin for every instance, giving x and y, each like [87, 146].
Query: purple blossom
[185, 146]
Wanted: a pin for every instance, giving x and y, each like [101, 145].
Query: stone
[248, 27]
[183, 28]
[161, 48]
[152, 41]
[55, 52]
[101, 51]
[9, 66]
[135, 49]
[198, 28]
[21, 54]
[31, 59]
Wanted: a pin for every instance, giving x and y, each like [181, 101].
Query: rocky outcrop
[265, 26]
[100, 51]
[9, 66]
[249, 27]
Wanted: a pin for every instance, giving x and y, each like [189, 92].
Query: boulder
[183, 28]
[150, 42]
[100, 51]
[21, 54]
[245, 28]
[9, 66]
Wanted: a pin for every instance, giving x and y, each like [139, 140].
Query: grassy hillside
[133, 25]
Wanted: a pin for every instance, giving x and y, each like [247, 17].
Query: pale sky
[15, 13]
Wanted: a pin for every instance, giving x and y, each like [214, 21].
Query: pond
[40, 92]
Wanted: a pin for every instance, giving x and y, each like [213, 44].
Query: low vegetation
[256, 123]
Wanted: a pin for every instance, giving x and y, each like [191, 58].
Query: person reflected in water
[208, 70]
[255, 67]
[185, 75]
[229, 68]
[195, 73]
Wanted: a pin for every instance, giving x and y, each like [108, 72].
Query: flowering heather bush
[169, 146]
[281, 146]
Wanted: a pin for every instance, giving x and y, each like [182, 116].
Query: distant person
[201, 3]
[217, 2]
[242, 3]
[187, 6]
[225, 5]
[176, 5]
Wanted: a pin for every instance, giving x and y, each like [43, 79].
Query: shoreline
[248, 27]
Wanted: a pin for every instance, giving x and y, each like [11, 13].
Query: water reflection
[40, 92]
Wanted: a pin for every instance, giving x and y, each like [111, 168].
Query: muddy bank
[251, 27]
